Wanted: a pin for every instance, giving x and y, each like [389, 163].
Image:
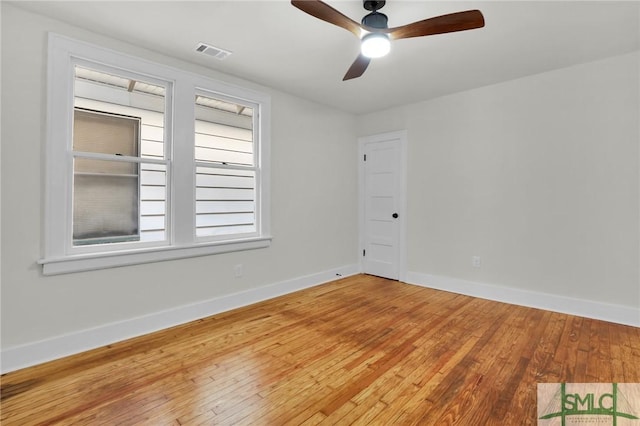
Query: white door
[382, 204]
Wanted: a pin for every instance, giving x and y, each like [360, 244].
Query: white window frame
[59, 256]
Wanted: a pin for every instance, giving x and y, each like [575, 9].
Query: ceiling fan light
[375, 45]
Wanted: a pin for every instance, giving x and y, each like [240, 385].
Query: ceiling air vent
[216, 52]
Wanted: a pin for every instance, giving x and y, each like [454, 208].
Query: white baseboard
[30, 354]
[551, 302]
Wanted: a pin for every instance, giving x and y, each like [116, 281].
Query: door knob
[395, 215]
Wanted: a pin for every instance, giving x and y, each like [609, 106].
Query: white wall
[537, 176]
[313, 215]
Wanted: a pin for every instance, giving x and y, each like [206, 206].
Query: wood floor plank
[360, 350]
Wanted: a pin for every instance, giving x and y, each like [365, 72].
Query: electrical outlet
[475, 261]
[237, 270]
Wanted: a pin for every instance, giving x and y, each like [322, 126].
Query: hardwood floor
[361, 350]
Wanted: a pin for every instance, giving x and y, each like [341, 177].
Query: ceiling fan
[375, 34]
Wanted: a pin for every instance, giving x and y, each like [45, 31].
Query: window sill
[89, 262]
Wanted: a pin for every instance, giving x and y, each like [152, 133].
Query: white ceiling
[277, 45]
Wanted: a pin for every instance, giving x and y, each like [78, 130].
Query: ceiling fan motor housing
[375, 20]
[373, 5]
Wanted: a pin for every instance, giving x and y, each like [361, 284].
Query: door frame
[401, 137]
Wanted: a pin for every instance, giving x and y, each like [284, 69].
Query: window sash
[164, 166]
[225, 202]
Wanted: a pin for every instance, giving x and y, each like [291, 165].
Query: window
[148, 163]
[120, 166]
[225, 167]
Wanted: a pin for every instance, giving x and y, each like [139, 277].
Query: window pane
[225, 201]
[107, 102]
[224, 132]
[117, 201]
[105, 202]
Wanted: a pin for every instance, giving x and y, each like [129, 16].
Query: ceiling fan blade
[357, 68]
[459, 21]
[328, 14]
